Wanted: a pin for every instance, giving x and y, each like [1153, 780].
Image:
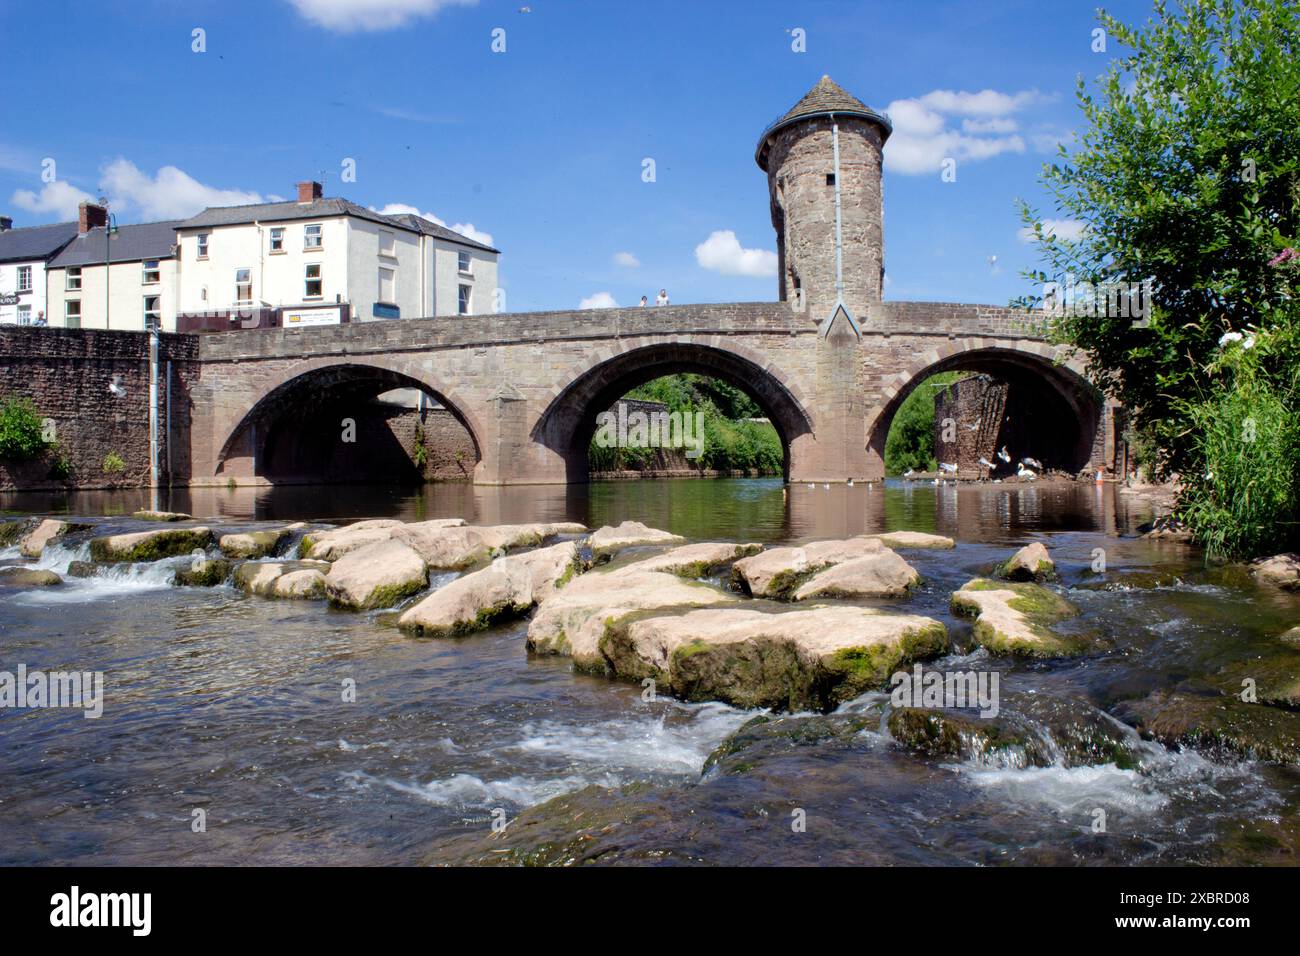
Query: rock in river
[377, 575]
[693, 560]
[202, 573]
[162, 516]
[807, 659]
[509, 587]
[263, 577]
[880, 575]
[333, 544]
[629, 534]
[45, 532]
[905, 540]
[28, 578]
[778, 572]
[150, 545]
[1015, 618]
[1218, 725]
[1279, 571]
[573, 621]
[255, 544]
[1030, 563]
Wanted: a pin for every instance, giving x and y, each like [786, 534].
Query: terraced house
[24, 255]
[323, 261]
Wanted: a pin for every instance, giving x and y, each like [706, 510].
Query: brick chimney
[308, 192]
[6, 223]
[91, 216]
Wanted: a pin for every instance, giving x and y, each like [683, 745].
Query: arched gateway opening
[570, 421]
[1025, 402]
[351, 424]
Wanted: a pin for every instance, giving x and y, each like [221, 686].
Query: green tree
[910, 443]
[21, 431]
[1187, 175]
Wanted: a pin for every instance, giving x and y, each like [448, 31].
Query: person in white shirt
[662, 298]
[644, 302]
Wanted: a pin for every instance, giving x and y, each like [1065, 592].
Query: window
[277, 239]
[463, 263]
[153, 311]
[151, 272]
[72, 279]
[24, 278]
[311, 275]
[830, 179]
[72, 313]
[387, 245]
[387, 285]
[203, 245]
[244, 285]
[311, 236]
[463, 305]
[24, 315]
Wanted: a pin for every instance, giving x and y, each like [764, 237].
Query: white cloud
[350, 16]
[923, 138]
[599, 300]
[170, 194]
[1067, 230]
[626, 259]
[466, 229]
[58, 199]
[722, 252]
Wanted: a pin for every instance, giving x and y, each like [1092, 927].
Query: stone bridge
[527, 386]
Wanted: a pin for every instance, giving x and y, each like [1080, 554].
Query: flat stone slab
[810, 658]
[509, 587]
[1030, 563]
[162, 516]
[333, 544]
[48, 530]
[303, 584]
[378, 575]
[201, 573]
[880, 575]
[906, 540]
[150, 545]
[693, 560]
[259, 577]
[1217, 725]
[255, 544]
[630, 534]
[28, 578]
[1016, 618]
[1279, 571]
[572, 621]
[444, 547]
[779, 572]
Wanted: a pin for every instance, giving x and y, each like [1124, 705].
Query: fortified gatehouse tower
[823, 165]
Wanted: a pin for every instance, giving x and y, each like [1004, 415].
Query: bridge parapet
[952, 319]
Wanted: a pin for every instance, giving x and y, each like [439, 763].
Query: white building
[121, 278]
[323, 260]
[24, 254]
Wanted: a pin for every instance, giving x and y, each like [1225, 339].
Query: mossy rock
[1216, 725]
[764, 737]
[162, 516]
[253, 544]
[11, 532]
[16, 577]
[1274, 678]
[150, 545]
[204, 573]
[1026, 632]
[992, 741]
[83, 569]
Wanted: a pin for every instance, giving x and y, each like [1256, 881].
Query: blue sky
[541, 147]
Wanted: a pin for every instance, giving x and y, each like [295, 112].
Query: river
[232, 705]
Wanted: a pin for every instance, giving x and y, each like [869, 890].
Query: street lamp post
[109, 228]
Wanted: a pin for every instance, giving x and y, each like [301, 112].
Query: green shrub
[113, 464]
[21, 434]
[910, 443]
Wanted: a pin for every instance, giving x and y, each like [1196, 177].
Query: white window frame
[25, 272]
[307, 277]
[68, 317]
[247, 282]
[72, 272]
[276, 240]
[464, 263]
[145, 270]
[307, 234]
[202, 239]
[387, 244]
[464, 299]
[392, 279]
[157, 312]
[24, 316]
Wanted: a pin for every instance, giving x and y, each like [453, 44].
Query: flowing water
[233, 705]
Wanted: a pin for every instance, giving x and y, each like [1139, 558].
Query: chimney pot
[6, 223]
[90, 216]
[309, 192]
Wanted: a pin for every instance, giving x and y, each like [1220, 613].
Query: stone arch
[293, 395]
[568, 420]
[1061, 374]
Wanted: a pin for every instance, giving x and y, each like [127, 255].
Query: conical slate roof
[825, 98]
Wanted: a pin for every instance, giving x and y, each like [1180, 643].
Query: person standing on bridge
[662, 298]
[644, 302]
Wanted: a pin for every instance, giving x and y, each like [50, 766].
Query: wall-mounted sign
[385, 311]
[299, 318]
[8, 298]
